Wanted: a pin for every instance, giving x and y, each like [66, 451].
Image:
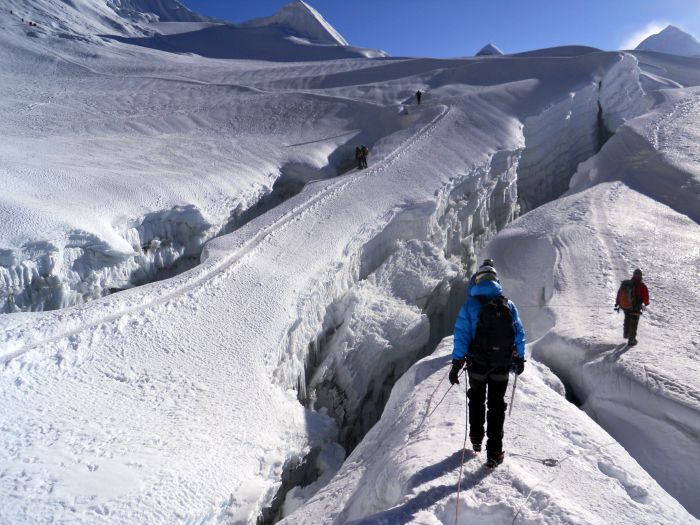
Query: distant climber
[632, 297]
[358, 157]
[419, 95]
[489, 340]
[486, 266]
[364, 152]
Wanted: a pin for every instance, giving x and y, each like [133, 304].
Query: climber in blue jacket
[489, 340]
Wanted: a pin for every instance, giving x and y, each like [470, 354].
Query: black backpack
[494, 341]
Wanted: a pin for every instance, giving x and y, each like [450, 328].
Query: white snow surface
[85, 19]
[673, 41]
[562, 264]
[177, 401]
[655, 154]
[406, 470]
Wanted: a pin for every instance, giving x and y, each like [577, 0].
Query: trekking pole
[464, 446]
[512, 396]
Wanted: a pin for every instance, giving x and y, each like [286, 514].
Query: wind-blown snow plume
[671, 40]
[641, 34]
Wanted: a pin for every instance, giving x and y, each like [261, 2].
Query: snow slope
[179, 400]
[141, 386]
[574, 252]
[407, 468]
[85, 19]
[655, 154]
[673, 41]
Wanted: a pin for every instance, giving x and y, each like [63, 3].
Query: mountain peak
[489, 50]
[671, 29]
[303, 21]
[673, 41]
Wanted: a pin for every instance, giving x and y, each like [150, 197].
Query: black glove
[518, 365]
[617, 308]
[457, 365]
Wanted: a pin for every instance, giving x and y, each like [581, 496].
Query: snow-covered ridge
[575, 251]
[673, 41]
[155, 11]
[302, 21]
[86, 19]
[406, 469]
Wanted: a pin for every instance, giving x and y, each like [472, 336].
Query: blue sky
[443, 28]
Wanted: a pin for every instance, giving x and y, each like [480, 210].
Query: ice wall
[50, 275]
[398, 296]
[574, 129]
[460, 220]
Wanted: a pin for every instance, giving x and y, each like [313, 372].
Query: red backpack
[625, 295]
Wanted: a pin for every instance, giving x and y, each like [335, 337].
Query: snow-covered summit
[87, 18]
[489, 50]
[673, 41]
[302, 21]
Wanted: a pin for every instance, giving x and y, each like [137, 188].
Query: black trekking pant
[629, 328]
[483, 387]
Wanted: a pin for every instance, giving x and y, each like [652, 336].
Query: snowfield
[232, 391]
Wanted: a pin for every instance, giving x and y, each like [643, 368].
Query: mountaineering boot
[632, 341]
[476, 445]
[494, 459]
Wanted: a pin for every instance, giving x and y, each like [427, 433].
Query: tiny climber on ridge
[632, 297]
[489, 340]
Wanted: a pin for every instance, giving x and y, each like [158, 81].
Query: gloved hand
[457, 365]
[518, 365]
[617, 308]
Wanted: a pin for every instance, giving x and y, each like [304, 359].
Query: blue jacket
[465, 327]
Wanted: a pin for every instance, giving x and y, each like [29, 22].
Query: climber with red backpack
[489, 340]
[632, 298]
